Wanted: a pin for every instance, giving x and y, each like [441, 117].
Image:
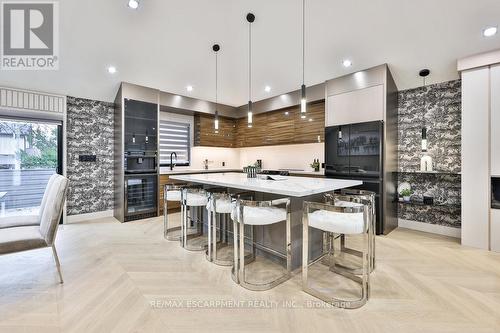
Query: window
[174, 137]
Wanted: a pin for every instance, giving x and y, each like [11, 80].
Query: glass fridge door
[365, 149]
[337, 150]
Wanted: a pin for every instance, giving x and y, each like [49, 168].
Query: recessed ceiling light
[189, 88]
[111, 69]
[310, 119]
[287, 113]
[134, 4]
[347, 63]
[490, 31]
[267, 88]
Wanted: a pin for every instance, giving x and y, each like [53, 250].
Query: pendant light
[303, 99]
[423, 74]
[216, 49]
[250, 19]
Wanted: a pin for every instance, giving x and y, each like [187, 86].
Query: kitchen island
[298, 189]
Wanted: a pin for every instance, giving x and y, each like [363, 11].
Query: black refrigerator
[355, 151]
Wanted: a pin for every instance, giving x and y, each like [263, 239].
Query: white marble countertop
[290, 186]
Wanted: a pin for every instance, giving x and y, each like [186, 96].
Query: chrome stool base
[238, 271]
[356, 226]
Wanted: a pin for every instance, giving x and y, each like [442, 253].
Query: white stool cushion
[261, 215]
[340, 223]
[195, 199]
[174, 195]
[222, 206]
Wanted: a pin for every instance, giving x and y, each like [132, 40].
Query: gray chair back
[53, 207]
[46, 194]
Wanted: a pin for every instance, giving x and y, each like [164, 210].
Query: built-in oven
[354, 150]
[140, 162]
[495, 192]
[140, 196]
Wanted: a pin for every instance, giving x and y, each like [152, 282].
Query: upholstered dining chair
[36, 233]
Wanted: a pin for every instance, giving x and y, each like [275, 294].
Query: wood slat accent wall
[270, 128]
[204, 133]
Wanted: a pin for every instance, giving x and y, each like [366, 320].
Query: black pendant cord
[250, 61]
[425, 102]
[216, 83]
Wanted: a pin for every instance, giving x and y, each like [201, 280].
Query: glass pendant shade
[303, 102]
[216, 122]
[250, 114]
[424, 139]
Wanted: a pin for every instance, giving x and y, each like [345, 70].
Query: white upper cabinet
[495, 119]
[356, 106]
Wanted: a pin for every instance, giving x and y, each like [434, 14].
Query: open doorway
[30, 152]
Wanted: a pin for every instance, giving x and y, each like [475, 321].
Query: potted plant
[315, 165]
[406, 194]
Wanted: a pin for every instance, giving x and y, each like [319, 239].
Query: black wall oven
[140, 162]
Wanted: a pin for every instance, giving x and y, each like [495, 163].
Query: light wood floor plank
[127, 278]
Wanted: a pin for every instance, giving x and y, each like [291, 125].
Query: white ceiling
[166, 44]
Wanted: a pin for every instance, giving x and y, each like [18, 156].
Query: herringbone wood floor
[120, 278]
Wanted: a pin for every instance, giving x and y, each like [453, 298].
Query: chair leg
[58, 264]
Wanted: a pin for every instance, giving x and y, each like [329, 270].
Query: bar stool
[194, 200]
[171, 192]
[354, 197]
[334, 221]
[220, 231]
[252, 214]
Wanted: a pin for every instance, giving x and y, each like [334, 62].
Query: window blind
[174, 137]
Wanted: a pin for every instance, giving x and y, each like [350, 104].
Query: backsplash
[89, 132]
[442, 116]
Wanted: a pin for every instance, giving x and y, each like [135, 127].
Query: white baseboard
[431, 228]
[89, 216]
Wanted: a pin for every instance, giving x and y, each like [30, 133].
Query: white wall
[283, 157]
[215, 156]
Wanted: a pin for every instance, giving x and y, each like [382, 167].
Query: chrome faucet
[171, 163]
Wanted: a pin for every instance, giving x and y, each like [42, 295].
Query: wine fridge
[140, 196]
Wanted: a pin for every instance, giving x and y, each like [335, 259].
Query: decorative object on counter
[250, 19]
[303, 99]
[216, 48]
[251, 171]
[406, 194]
[426, 163]
[315, 165]
[258, 164]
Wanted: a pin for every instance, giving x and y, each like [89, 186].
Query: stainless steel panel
[119, 185]
[390, 155]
